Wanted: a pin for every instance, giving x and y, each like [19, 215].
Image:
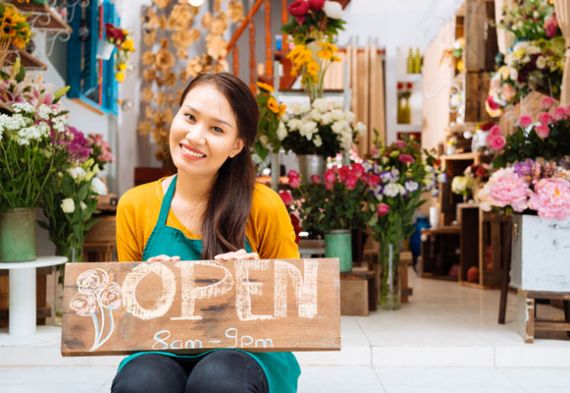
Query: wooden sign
[189, 306]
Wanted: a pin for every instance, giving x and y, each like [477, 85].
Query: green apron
[281, 368]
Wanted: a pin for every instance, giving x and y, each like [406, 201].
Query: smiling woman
[211, 209]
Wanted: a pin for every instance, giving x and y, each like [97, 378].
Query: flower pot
[338, 244]
[18, 235]
[540, 254]
[389, 291]
[104, 50]
[309, 165]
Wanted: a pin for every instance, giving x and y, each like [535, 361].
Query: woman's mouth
[192, 153]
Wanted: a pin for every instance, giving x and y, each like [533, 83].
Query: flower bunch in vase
[530, 19]
[314, 27]
[71, 199]
[546, 136]
[321, 128]
[271, 130]
[14, 30]
[404, 175]
[123, 41]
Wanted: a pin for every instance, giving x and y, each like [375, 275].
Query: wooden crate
[354, 294]
[528, 324]
[481, 44]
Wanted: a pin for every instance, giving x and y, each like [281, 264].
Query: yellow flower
[313, 68]
[282, 109]
[273, 105]
[128, 45]
[265, 87]
[122, 66]
[327, 51]
[120, 76]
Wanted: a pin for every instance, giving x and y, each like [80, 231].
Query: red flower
[316, 5]
[286, 197]
[492, 104]
[545, 118]
[373, 180]
[316, 179]
[343, 173]
[351, 181]
[400, 144]
[406, 159]
[495, 131]
[542, 131]
[382, 209]
[400, 85]
[299, 9]
[357, 170]
[294, 179]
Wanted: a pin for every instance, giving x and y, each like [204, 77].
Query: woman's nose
[196, 134]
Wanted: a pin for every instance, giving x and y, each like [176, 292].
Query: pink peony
[506, 188]
[496, 142]
[548, 102]
[382, 209]
[286, 197]
[525, 121]
[495, 130]
[551, 198]
[542, 131]
[545, 118]
[406, 159]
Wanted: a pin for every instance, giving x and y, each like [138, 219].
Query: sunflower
[265, 87]
[273, 105]
[313, 68]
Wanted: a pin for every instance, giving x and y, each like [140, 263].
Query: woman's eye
[217, 130]
[189, 116]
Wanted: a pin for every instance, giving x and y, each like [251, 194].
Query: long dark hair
[229, 204]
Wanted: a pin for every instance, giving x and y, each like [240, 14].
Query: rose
[560, 113]
[382, 209]
[495, 130]
[525, 121]
[316, 5]
[286, 197]
[351, 181]
[496, 142]
[316, 179]
[400, 144]
[357, 170]
[83, 305]
[92, 281]
[299, 9]
[551, 198]
[110, 297]
[547, 102]
[294, 179]
[542, 131]
[372, 180]
[545, 118]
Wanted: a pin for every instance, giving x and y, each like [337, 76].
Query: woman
[211, 209]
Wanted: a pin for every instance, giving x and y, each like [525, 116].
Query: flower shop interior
[423, 143]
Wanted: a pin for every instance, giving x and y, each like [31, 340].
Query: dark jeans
[222, 371]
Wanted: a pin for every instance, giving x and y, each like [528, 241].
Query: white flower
[315, 115]
[360, 127]
[514, 74]
[308, 129]
[263, 139]
[394, 189]
[411, 186]
[442, 178]
[333, 10]
[77, 173]
[339, 127]
[82, 205]
[281, 131]
[317, 141]
[23, 107]
[98, 187]
[349, 116]
[326, 118]
[294, 124]
[541, 62]
[67, 205]
[44, 111]
[321, 105]
[337, 114]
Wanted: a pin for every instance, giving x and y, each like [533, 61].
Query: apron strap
[166, 201]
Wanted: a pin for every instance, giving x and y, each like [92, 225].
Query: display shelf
[43, 17]
[27, 60]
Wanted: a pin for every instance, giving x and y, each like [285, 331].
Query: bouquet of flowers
[536, 185]
[333, 202]
[321, 128]
[14, 30]
[71, 198]
[530, 19]
[529, 66]
[314, 27]
[30, 130]
[125, 46]
[548, 137]
[271, 130]
[454, 55]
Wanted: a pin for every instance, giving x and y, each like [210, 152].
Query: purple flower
[524, 168]
[78, 146]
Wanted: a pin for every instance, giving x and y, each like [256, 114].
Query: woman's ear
[238, 147]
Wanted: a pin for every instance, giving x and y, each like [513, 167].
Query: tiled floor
[446, 340]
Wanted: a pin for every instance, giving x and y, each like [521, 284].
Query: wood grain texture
[186, 307]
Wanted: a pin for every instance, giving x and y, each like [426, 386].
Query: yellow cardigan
[269, 229]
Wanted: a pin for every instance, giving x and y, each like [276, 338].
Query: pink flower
[548, 102]
[299, 9]
[551, 26]
[351, 181]
[545, 118]
[286, 197]
[294, 179]
[506, 188]
[373, 180]
[357, 170]
[496, 142]
[560, 113]
[343, 172]
[551, 198]
[330, 178]
[525, 121]
[382, 209]
[316, 5]
[400, 144]
[316, 179]
[495, 130]
[542, 131]
[406, 158]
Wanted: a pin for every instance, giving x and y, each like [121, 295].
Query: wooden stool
[357, 292]
[528, 323]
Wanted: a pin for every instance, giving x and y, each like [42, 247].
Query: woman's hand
[163, 258]
[239, 254]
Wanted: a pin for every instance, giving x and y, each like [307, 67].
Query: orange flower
[265, 87]
[273, 105]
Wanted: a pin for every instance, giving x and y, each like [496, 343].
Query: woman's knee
[227, 371]
[150, 373]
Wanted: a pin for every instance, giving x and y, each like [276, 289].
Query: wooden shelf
[43, 17]
[460, 156]
[28, 61]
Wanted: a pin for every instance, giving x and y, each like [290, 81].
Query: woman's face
[204, 132]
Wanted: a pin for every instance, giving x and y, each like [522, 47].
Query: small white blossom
[23, 107]
[294, 124]
[321, 105]
[326, 118]
[541, 62]
[337, 114]
[360, 127]
[67, 205]
[411, 186]
[98, 187]
[308, 129]
[317, 141]
[82, 205]
[77, 173]
[281, 131]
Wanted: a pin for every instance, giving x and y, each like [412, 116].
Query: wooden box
[354, 294]
[481, 44]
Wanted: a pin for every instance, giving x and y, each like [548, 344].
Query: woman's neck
[194, 190]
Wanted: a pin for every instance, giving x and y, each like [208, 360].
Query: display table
[23, 293]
